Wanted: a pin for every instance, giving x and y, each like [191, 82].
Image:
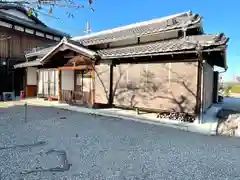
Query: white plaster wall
[40, 82]
[143, 39]
[67, 80]
[159, 36]
[31, 76]
[124, 42]
[56, 83]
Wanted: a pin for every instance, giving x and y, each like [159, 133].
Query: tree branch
[35, 6]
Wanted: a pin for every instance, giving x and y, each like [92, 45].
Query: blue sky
[218, 16]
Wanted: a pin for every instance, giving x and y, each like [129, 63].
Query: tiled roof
[155, 48]
[71, 46]
[178, 21]
[8, 5]
[41, 51]
[28, 64]
[183, 44]
[155, 26]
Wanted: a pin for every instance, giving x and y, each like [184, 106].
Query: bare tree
[46, 7]
[238, 78]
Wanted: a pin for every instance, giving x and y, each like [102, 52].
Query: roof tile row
[154, 28]
[188, 43]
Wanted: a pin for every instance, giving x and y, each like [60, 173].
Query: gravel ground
[104, 148]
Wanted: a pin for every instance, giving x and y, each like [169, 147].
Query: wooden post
[25, 78]
[25, 112]
[110, 98]
[199, 107]
[37, 76]
[59, 85]
[92, 88]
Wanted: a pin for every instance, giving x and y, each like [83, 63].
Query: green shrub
[227, 90]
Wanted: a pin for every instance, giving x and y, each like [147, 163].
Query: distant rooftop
[8, 12]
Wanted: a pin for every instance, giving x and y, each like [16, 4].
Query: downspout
[199, 96]
[199, 109]
[220, 72]
[226, 67]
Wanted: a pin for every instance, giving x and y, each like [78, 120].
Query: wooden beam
[159, 59]
[82, 67]
[92, 90]
[110, 98]
[68, 56]
[74, 80]
[59, 85]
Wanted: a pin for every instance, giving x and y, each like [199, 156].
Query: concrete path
[231, 103]
[103, 148]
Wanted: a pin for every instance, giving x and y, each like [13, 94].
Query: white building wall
[67, 80]
[123, 42]
[31, 76]
[40, 82]
[159, 36]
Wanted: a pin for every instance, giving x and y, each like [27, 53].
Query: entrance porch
[71, 80]
[76, 86]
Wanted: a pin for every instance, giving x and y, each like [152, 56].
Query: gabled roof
[155, 26]
[65, 44]
[40, 51]
[35, 23]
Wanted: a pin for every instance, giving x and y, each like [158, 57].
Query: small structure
[164, 64]
[20, 33]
